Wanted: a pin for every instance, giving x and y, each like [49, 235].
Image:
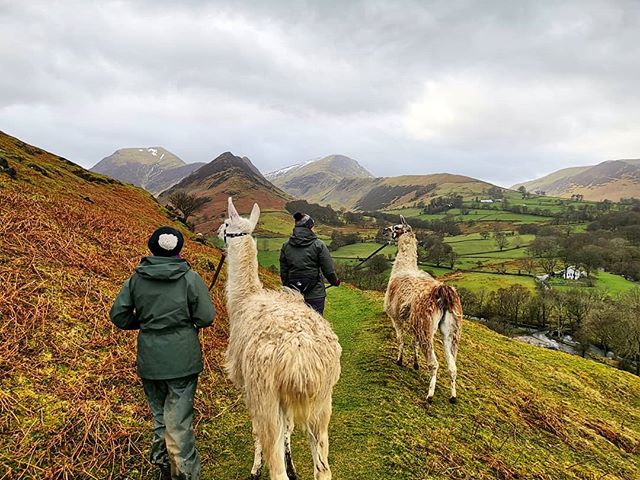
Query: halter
[232, 235]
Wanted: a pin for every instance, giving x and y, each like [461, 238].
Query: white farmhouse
[572, 273]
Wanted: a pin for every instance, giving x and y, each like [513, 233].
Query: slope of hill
[154, 169]
[313, 179]
[71, 405]
[394, 192]
[612, 180]
[227, 175]
[523, 412]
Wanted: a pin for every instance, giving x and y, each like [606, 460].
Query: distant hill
[381, 193]
[314, 179]
[155, 169]
[612, 180]
[227, 175]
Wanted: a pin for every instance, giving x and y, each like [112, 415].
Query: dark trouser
[174, 443]
[316, 303]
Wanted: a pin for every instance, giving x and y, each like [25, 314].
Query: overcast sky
[500, 90]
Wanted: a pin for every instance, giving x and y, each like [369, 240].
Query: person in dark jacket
[304, 259]
[168, 303]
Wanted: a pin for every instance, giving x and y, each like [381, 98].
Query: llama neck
[242, 273]
[407, 256]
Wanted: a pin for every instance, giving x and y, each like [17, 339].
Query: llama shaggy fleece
[417, 302]
[282, 355]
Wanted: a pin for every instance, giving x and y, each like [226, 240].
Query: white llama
[416, 298]
[282, 355]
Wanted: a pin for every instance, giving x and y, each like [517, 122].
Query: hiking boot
[165, 472]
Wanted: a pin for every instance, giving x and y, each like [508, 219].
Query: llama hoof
[399, 362]
[416, 366]
[453, 400]
[429, 399]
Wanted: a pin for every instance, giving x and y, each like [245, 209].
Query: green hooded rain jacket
[168, 302]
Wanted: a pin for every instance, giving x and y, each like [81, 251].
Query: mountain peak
[153, 168]
[225, 175]
[228, 161]
[312, 178]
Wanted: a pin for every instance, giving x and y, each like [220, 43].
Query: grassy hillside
[542, 182]
[524, 412]
[370, 194]
[612, 180]
[71, 405]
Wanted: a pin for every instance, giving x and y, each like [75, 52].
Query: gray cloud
[502, 91]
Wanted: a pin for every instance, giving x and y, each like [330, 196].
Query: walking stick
[218, 269]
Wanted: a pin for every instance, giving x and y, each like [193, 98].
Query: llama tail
[448, 301]
[441, 301]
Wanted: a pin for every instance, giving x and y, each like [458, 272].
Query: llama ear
[233, 213]
[255, 215]
[404, 222]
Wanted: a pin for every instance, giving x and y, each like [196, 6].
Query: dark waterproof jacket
[305, 256]
[167, 302]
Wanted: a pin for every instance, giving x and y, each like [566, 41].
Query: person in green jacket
[168, 303]
[304, 259]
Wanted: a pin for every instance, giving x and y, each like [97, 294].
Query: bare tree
[187, 204]
[500, 240]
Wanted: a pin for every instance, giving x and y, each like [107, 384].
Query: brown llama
[415, 298]
[282, 355]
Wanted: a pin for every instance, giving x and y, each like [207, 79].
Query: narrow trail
[523, 412]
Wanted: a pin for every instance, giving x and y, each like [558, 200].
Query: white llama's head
[235, 225]
[397, 230]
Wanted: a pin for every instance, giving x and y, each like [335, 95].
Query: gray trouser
[316, 303]
[174, 443]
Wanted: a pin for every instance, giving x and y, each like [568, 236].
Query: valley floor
[523, 412]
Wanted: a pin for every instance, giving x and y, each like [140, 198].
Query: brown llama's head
[236, 226]
[398, 230]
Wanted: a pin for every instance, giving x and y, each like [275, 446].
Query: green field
[489, 281]
[613, 284]
[274, 222]
[474, 214]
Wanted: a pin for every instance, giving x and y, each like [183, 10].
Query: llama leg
[450, 351]
[432, 364]
[416, 365]
[269, 423]
[256, 470]
[291, 469]
[400, 337]
[318, 433]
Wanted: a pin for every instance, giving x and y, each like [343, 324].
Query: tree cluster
[442, 204]
[339, 239]
[326, 215]
[588, 315]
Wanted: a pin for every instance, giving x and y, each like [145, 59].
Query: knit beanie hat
[303, 220]
[166, 242]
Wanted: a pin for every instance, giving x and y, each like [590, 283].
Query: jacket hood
[302, 237]
[163, 268]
